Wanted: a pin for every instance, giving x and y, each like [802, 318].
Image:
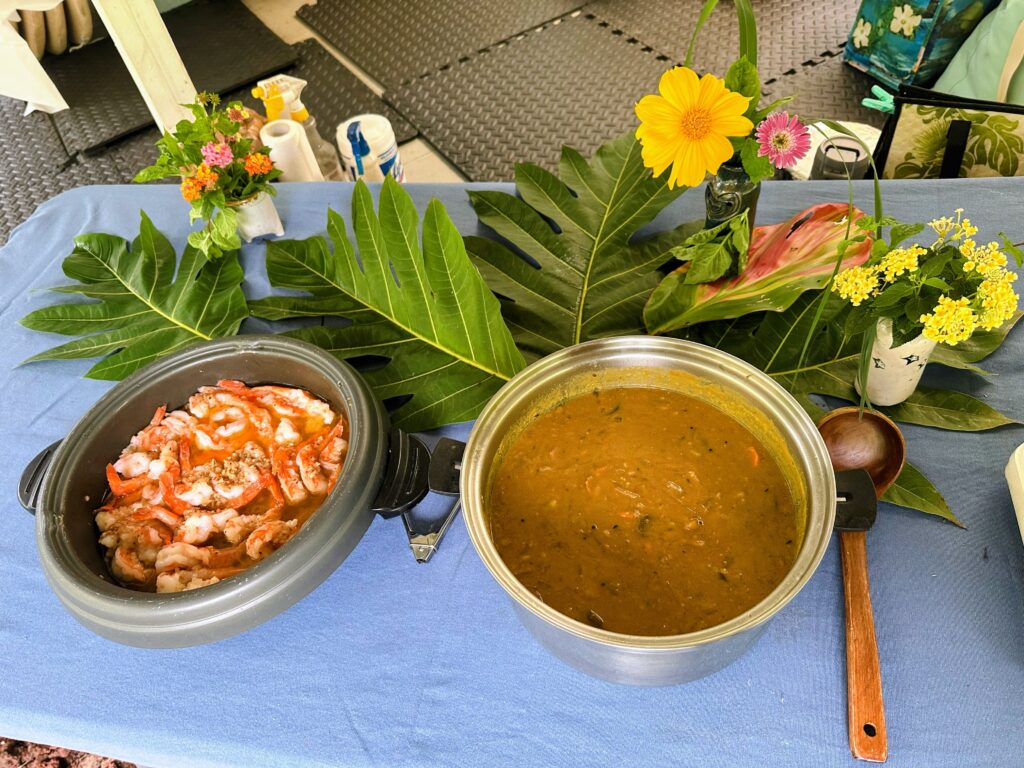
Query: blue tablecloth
[390, 663]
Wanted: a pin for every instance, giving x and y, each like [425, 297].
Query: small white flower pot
[257, 216]
[894, 372]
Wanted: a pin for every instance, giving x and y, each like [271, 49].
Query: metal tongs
[412, 471]
[443, 478]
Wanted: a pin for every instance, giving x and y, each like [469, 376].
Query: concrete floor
[422, 162]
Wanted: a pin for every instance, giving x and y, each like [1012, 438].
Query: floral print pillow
[911, 42]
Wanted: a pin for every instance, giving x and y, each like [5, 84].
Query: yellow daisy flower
[687, 126]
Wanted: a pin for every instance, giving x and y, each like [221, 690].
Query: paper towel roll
[290, 151]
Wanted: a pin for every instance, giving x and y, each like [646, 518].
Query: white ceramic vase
[257, 216]
[894, 372]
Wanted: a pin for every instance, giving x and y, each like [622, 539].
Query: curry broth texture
[643, 511]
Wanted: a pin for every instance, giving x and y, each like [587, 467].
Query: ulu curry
[644, 512]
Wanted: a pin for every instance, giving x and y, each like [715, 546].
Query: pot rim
[283, 577]
[821, 493]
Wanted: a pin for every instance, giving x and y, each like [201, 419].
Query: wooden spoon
[866, 440]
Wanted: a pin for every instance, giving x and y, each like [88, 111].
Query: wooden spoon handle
[863, 677]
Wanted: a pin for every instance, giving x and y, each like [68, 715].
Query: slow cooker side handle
[405, 480]
[411, 471]
[32, 478]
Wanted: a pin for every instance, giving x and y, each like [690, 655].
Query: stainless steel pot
[386, 472]
[735, 386]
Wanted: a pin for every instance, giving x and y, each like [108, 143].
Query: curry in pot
[643, 511]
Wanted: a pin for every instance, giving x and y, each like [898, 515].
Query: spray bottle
[281, 99]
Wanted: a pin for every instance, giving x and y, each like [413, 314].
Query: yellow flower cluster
[998, 299]
[948, 229]
[856, 284]
[942, 226]
[900, 260]
[985, 259]
[951, 322]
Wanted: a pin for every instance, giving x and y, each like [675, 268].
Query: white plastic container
[1015, 479]
[368, 149]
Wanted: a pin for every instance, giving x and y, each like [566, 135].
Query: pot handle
[32, 478]
[443, 478]
[411, 471]
[405, 475]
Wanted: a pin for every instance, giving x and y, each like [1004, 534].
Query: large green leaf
[144, 311]
[915, 491]
[423, 308]
[948, 410]
[785, 261]
[588, 279]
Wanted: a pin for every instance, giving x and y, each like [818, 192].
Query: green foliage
[589, 277]
[713, 253]
[785, 260]
[423, 308]
[180, 154]
[747, 28]
[143, 311]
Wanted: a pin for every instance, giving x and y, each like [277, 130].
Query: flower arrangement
[945, 291]
[693, 125]
[220, 165]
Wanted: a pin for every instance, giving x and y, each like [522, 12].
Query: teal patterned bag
[900, 42]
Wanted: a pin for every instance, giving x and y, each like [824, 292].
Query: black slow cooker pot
[386, 472]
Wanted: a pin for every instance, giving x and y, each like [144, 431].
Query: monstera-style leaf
[773, 341]
[588, 277]
[785, 261]
[426, 310]
[144, 311]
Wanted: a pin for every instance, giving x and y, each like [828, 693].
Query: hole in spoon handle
[865, 707]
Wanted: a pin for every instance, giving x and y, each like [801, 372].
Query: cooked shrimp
[126, 565]
[182, 580]
[310, 470]
[269, 537]
[180, 555]
[199, 526]
[238, 528]
[150, 536]
[121, 487]
[286, 434]
[133, 463]
[164, 515]
[200, 493]
[288, 476]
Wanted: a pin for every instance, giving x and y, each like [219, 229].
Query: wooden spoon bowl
[867, 440]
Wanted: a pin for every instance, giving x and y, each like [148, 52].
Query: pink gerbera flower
[783, 139]
[217, 155]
